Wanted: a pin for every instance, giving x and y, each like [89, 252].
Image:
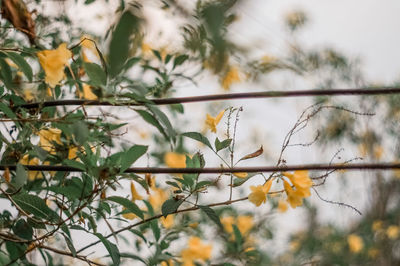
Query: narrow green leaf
[7, 111]
[70, 245]
[96, 74]
[21, 176]
[179, 60]
[131, 62]
[131, 156]
[34, 205]
[170, 206]
[132, 256]
[199, 137]
[149, 118]
[212, 215]
[111, 248]
[163, 118]
[6, 74]
[22, 64]
[74, 164]
[129, 205]
[120, 41]
[238, 236]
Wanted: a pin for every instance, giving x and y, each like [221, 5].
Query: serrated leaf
[170, 206]
[34, 205]
[96, 74]
[129, 205]
[120, 41]
[111, 248]
[131, 156]
[220, 145]
[199, 137]
[212, 215]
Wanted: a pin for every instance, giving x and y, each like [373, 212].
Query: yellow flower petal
[240, 174]
[53, 63]
[393, 232]
[48, 137]
[175, 160]
[282, 206]
[258, 196]
[355, 242]
[245, 223]
[196, 251]
[134, 193]
[230, 77]
[212, 122]
[87, 93]
[168, 222]
[32, 175]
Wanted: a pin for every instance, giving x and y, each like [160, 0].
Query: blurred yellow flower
[72, 153]
[377, 225]
[28, 95]
[32, 175]
[227, 222]
[240, 174]
[48, 137]
[168, 221]
[87, 93]
[373, 253]
[378, 151]
[212, 122]
[282, 206]
[53, 63]
[135, 196]
[231, 76]
[157, 198]
[175, 160]
[245, 223]
[355, 242]
[170, 262]
[196, 251]
[259, 193]
[88, 45]
[393, 232]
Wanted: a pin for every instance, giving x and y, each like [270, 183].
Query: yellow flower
[301, 182]
[157, 198]
[168, 221]
[294, 245]
[227, 222]
[373, 253]
[240, 174]
[378, 152]
[87, 93]
[72, 153]
[32, 175]
[393, 232]
[230, 77]
[48, 137]
[245, 223]
[88, 45]
[135, 196]
[170, 262]
[53, 63]
[294, 197]
[259, 193]
[146, 49]
[195, 251]
[282, 206]
[134, 193]
[212, 122]
[377, 225]
[355, 242]
[175, 160]
[28, 95]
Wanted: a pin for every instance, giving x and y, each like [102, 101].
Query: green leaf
[132, 256]
[74, 164]
[149, 118]
[131, 62]
[120, 41]
[34, 205]
[20, 177]
[199, 137]
[23, 229]
[222, 145]
[22, 64]
[212, 215]
[179, 60]
[70, 245]
[131, 156]
[6, 74]
[81, 132]
[129, 205]
[238, 236]
[111, 248]
[170, 206]
[96, 74]
[6, 110]
[163, 119]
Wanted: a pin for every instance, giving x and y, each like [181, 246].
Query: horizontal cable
[222, 97]
[217, 170]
